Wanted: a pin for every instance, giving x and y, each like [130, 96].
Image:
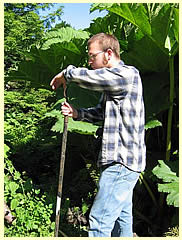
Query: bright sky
[78, 14]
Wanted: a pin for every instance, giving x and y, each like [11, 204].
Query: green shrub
[28, 205]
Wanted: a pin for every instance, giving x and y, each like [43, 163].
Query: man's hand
[57, 81]
[68, 110]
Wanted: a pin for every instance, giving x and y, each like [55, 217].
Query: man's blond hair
[106, 41]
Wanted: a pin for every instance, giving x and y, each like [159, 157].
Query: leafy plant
[170, 183]
[55, 54]
[73, 126]
[138, 26]
[24, 112]
[24, 28]
[28, 205]
[148, 35]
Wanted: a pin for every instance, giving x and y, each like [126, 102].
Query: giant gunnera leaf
[73, 126]
[170, 183]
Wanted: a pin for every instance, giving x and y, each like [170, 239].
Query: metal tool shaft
[61, 173]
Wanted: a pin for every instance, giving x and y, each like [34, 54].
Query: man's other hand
[58, 81]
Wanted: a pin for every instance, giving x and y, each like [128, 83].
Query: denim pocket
[130, 175]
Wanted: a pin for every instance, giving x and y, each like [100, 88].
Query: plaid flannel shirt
[121, 109]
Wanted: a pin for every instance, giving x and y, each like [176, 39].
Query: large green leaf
[156, 58]
[160, 26]
[137, 16]
[175, 25]
[82, 98]
[79, 98]
[170, 183]
[155, 25]
[172, 40]
[108, 24]
[64, 35]
[73, 126]
[173, 192]
[156, 91]
[38, 70]
[163, 171]
[43, 64]
[145, 55]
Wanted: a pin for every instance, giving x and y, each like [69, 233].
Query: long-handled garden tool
[61, 171]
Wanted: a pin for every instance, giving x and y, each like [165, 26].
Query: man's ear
[109, 53]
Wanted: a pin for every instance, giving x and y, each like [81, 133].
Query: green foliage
[170, 183]
[51, 17]
[156, 92]
[28, 205]
[132, 14]
[150, 28]
[85, 207]
[61, 49]
[152, 124]
[73, 126]
[42, 65]
[6, 150]
[140, 28]
[23, 29]
[152, 25]
[23, 113]
[65, 34]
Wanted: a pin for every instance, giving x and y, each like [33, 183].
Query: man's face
[96, 56]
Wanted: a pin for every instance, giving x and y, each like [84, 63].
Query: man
[122, 155]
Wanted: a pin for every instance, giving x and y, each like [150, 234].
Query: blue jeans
[111, 213]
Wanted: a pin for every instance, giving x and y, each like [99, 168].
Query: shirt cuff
[80, 116]
[67, 73]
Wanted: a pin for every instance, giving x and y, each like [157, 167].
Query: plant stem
[169, 125]
[63, 234]
[148, 188]
[170, 112]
